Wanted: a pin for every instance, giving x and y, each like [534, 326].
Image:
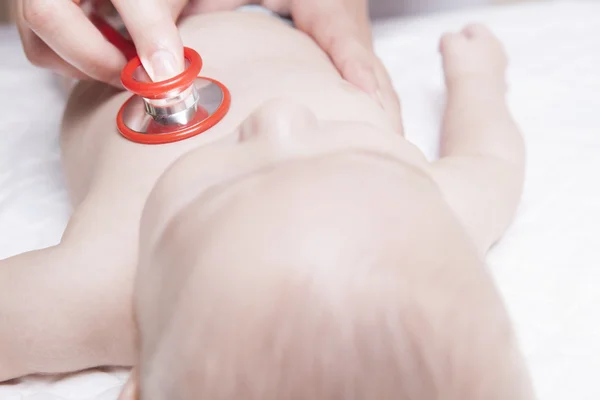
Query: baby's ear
[130, 390]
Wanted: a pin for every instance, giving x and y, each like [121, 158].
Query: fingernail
[377, 97]
[162, 66]
[368, 79]
[369, 84]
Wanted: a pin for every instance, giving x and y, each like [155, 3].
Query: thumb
[151, 25]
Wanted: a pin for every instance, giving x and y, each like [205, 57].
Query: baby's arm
[62, 309]
[482, 156]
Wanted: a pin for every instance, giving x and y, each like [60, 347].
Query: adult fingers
[205, 6]
[364, 69]
[151, 25]
[63, 26]
[343, 33]
[389, 96]
[342, 29]
[40, 55]
[38, 52]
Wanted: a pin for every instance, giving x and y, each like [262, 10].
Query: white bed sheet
[548, 265]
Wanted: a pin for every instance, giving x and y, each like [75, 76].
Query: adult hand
[343, 30]
[56, 34]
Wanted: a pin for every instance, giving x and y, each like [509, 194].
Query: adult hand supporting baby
[342, 28]
[56, 34]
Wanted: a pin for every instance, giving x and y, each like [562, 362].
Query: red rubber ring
[185, 132]
[162, 89]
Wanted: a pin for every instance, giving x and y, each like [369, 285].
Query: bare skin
[305, 181]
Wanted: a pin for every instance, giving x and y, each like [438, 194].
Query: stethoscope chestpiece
[172, 110]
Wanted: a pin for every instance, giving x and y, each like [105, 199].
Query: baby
[300, 249]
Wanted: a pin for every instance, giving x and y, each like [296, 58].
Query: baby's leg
[482, 156]
[67, 307]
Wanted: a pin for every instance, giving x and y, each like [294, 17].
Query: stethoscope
[168, 111]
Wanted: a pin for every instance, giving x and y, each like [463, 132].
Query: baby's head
[319, 276]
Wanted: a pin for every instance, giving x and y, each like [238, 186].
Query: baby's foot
[474, 53]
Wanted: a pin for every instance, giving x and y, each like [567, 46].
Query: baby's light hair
[366, 334]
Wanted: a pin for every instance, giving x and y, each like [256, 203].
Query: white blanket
[548, 265]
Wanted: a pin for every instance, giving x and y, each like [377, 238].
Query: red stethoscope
[167, 111]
